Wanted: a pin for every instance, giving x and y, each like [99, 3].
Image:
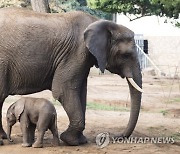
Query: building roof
[150, 26]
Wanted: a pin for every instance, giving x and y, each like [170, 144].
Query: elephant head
[13, 115]
[113, 46]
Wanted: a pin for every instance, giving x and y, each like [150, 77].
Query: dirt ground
[159, 117]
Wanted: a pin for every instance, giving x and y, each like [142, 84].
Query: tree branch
[138, 17]
[40, 6]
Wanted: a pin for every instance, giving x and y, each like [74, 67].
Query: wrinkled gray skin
[41, 51]
[33, 113]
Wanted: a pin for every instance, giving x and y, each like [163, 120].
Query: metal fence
[139, 40]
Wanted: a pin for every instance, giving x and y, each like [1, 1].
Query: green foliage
[176, 136]
[177, 24]
[164, 112]
[106, 107]
[60, 6]
[65, 6]
[17, 3]
[176, 99]
[169, 8]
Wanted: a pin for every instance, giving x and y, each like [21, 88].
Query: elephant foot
[1, 142]
[32, 141]
[37, 145]
[73, 137]
[3, 134]
[56, 142]
[82, 139]
[26, 145]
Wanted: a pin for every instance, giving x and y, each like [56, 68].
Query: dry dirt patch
[156, 118]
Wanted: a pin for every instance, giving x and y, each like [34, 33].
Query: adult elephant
[41, 51]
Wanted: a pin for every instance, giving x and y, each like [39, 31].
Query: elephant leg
[42, 126]
[54, 130]
[66, 88]
[25, 132]
[39, 141]
[1, 142]
[24, 123]
[2, 132]
[83, 96]
[32, 128]
[72, 105]
[3, 94]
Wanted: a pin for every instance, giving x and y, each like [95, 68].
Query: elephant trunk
[135, 94]
[9, 128]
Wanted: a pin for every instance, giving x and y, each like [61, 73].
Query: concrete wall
[165, 52]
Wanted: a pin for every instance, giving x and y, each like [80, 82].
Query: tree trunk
[40, 5]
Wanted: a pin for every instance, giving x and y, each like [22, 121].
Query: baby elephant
[33, 113]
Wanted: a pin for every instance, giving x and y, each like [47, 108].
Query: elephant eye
[126, 55]
[113, 41]
[120, 40]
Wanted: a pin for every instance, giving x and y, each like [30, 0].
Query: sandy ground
[159, 117]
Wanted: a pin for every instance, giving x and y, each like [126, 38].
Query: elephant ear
[96, 37]
[19, 108]
[11, 108]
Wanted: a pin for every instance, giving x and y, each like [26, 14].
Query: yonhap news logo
[103, 139]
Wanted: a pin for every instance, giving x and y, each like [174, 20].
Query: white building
[163, 40]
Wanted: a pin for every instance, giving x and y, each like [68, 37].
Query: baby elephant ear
[96, 37]
[19, 108]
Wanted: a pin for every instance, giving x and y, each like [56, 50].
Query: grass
[98, 106]
[176, 136]
[176, 100]
[164, 112]
[161, 131]
[90, 105]
[173, 100]
[105, 107]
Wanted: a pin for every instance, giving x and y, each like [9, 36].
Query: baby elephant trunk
[9, 128]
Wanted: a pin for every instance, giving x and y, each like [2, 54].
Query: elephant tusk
[135, 85]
